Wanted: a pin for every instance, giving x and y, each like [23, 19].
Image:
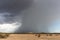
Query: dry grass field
[32, 37]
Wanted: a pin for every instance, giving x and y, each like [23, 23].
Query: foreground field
[32, 37]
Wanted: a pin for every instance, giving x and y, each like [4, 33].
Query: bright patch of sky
[55, 27]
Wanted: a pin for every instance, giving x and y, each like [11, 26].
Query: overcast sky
[39, 16]
[43, 16]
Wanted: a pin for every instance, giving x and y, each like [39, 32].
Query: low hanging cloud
[11, 14]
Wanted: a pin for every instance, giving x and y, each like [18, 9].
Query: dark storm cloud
[13, 8]
[38, 18]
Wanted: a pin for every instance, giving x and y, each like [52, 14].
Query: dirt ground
[32, 37]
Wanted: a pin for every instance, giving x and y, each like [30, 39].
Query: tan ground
[32, 37]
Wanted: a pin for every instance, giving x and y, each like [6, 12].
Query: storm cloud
[31, 16]
[11, 14]
[40, 16]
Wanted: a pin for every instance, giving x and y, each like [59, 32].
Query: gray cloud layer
[11, 8]
[39, 17]
[11, 12]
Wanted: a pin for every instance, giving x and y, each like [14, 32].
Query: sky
[31, 16]
[43, 16]
[55, 26]
[11, 14]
